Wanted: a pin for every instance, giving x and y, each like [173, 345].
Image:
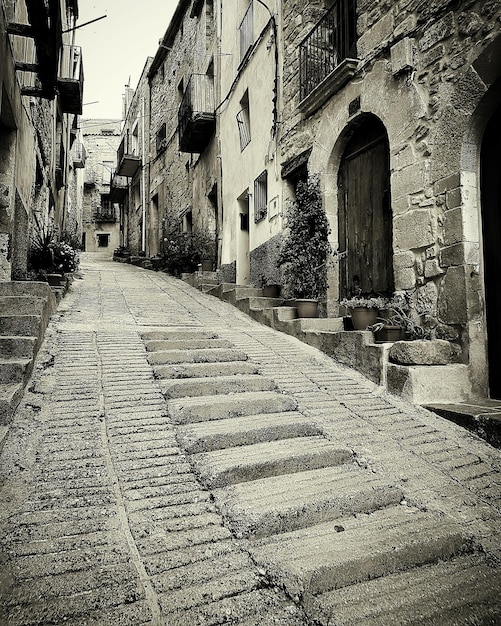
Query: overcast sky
[115, 49]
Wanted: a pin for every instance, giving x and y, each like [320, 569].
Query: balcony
[196, 117]
[105, 215]
[79, 155]
[118, 188]
[128, 161]
[327, 55]
[70, 80]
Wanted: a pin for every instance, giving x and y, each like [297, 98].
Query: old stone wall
[183, 182]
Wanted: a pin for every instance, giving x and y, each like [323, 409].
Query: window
[243, 122]
[246, 32]
[161, 138]
[103, 240]
[260, 196]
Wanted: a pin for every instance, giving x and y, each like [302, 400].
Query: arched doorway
[365, 216]
[490, 189]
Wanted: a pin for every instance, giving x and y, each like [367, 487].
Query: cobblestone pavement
[120, 505]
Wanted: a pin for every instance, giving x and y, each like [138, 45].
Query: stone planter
[362, 317]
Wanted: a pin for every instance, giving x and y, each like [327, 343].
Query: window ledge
[341, 75]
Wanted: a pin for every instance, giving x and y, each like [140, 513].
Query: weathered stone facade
[427, 71]
[100, 220]
[35, 128]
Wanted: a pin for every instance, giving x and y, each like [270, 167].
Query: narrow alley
[173, 462]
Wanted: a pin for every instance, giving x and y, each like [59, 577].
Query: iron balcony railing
[196, 117]
[128, 160]
[331, 41]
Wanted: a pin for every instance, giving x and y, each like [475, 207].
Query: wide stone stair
[25, 310]
[341, 540]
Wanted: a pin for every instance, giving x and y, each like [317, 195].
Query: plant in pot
[305, 248]
[397, 321]
[364, 310]
[270, 287]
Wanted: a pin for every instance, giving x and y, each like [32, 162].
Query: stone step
[245, 463]
[233, 295]
[202, 370]
[352, 549]
[208, 355]
[259, 302]
[283, 503]
[203, 408]
[37, 289]
[24, 325]
[14, 370]
[186, 344]
[21, 305]
[10, 396]
[462, 591]
[219, 385]
[172, 335]
[17, 347]
[244, 431]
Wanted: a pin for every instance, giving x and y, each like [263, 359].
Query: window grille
[243, 122]
[260, 196]
[331, 41]
[246, 31]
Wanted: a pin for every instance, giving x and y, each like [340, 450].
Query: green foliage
[369, 302]
[305, 248]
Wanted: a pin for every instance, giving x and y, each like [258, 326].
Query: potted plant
[364, 310]
[305, 248]
[271, 289]
[397, 322]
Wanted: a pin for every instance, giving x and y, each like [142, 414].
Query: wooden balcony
[196, 117]
[70, 80]
[118, 188]
[128, 162]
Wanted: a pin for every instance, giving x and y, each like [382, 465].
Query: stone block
[402, 56]
[405, 278]
[403, 260]
[452, 303]
[406, 26]
[437, 32]
[423, 352]
[432, 268]
[415, 229]
[460, 253]
[409, 180]
[377, 36]
[453, 227]
[422, 384]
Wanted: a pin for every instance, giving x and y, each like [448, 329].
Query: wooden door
[490, 185]
[365, 217]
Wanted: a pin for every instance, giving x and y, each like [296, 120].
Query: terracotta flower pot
[363, 317]
[307, 308]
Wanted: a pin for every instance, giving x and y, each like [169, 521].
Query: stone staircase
[25, 310]
[418, 383]
[341, 540]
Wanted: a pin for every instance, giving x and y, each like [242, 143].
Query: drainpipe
[143, 178]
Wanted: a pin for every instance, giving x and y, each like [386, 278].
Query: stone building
[393, 106]
[41, 87]
[183, 148]
[100, 216]
[130, 183]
